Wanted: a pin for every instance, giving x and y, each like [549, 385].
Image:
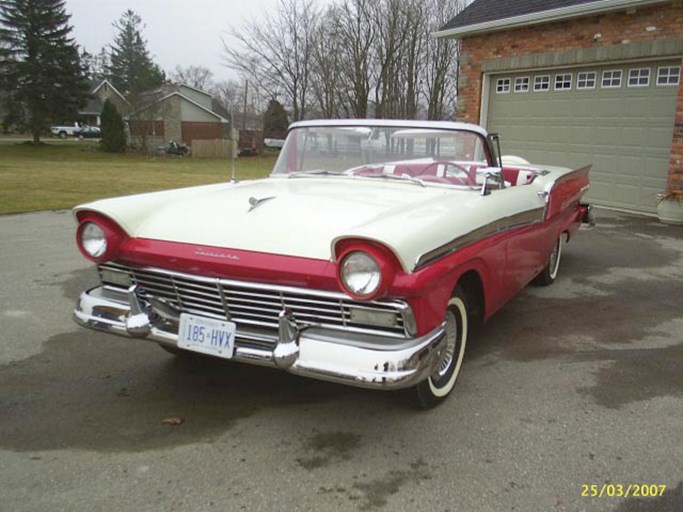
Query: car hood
[300, 217]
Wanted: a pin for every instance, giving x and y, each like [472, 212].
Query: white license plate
[206, 335]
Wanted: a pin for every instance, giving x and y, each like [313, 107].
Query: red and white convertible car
[363, 259]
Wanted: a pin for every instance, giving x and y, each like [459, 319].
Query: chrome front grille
[252, 305]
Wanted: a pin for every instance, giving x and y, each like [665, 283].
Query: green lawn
[63, 174]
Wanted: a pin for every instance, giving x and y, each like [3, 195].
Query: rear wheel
[439, 385]
[549, 273]
[62, 134]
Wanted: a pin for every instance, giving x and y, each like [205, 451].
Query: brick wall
[616, 28]
[201, 131]
[172, 119]
[675, 182]
[146, 128]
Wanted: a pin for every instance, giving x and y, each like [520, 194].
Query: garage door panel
[639, 110]
[581, 136]
[625, 194]
[598, 189]
[624, 132]
[610, 108]
[607, 135]
[631, 136]
[629, 166]
[660, 105]
[583, 109]
[562, 108]
[604, 163]
[659, 138]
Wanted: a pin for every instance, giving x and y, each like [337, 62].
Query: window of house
[522, 84]
[503, 86]
[669, 75]
[639, 77]
[563, 82]
[611, 79]
[542, 83]
[586, 80]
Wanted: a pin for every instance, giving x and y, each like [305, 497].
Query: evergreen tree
[275, 121]
[113, 129]
[131, 68]
[39, 64]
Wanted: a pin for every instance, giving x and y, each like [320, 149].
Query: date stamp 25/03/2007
[622, 490]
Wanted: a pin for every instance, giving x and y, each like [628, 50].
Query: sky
[178, 32]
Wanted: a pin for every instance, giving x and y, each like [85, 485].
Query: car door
[522, 214]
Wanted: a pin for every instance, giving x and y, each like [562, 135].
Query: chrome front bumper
[365, 361]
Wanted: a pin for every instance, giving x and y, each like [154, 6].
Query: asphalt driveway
[574, 385]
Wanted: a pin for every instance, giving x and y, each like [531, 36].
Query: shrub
[113, 129]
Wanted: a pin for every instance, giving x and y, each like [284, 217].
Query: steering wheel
[452, 170]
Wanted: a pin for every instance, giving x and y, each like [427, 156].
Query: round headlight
[93, 240]
[360, 273]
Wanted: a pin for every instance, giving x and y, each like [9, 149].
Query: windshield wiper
[315, 172]
[401, 177]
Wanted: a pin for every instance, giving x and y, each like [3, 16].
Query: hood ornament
[255, 203]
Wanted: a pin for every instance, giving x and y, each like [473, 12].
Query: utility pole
[244, 110]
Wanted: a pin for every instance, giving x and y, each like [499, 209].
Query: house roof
[492, 15]
[183, 84]
[198, 105]
[97, 86]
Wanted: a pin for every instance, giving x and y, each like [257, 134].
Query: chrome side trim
[518, 220]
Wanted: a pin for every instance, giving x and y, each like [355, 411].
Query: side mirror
[494, 145]
[493, 180]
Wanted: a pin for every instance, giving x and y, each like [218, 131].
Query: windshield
[414, 155]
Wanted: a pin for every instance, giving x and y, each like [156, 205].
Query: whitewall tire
[439, 385]
[552, 268]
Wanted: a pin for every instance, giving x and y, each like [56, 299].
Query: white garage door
[617, 117]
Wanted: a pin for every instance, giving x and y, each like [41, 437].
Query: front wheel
[438, 386]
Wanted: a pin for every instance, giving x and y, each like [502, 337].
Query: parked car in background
[363, 259]
[88, 132]
[274, 143]
[64, 131]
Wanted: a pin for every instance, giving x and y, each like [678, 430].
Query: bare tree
[442, 60]
[412, 64]
[96, 64]
[198, 77]
[356, 35]
[400, 28]
[244, 105]
[229, 93]
[275, 51]
[359, 58]
[387, 21]
[327, 77]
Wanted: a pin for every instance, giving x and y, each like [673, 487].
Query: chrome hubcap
[451, 343]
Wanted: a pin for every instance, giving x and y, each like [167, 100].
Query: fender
[566, 191]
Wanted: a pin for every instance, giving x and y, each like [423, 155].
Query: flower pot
[670, 211]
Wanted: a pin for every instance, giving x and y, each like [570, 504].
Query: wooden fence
[218, 148]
